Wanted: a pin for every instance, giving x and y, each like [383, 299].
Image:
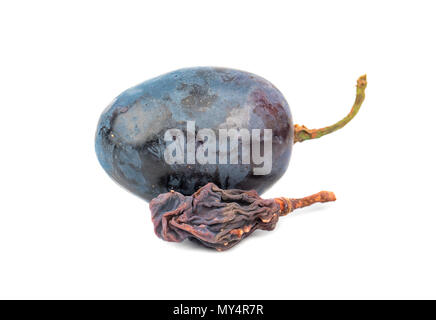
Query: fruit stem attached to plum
[301, 133]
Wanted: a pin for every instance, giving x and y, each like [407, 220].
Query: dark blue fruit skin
[130, 134]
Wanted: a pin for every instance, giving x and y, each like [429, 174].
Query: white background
[68, 231]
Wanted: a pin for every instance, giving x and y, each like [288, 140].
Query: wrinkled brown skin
[219, 218]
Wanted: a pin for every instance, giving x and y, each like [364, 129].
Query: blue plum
[187, 128]
[130, 139]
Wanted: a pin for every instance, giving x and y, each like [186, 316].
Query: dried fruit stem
[301, 133]
[288, 205]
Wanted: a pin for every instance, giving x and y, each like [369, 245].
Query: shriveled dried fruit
[219, 218]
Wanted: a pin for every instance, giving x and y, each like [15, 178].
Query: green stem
[301, 133]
